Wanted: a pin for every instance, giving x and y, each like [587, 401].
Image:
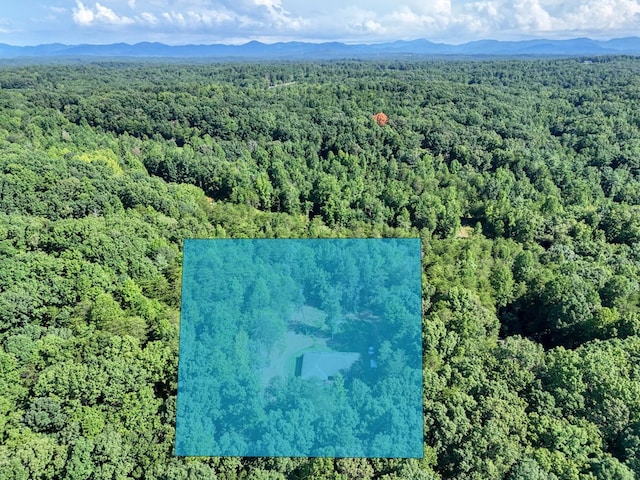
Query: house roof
[326, 364]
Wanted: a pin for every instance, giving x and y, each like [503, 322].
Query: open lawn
[282, 360]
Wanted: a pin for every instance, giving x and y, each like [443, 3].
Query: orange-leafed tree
[381, 119]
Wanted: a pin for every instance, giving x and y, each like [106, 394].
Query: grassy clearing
[282, 361]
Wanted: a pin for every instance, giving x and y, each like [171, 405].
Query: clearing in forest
[282, 359]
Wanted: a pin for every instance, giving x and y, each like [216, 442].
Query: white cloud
[174, 18]
[278, 16]
[605, 14]
[552, 17]
[269, 3]
[211, 17]
[453, 21]
[251, 18]
[434, 8]
[149, 18]
[371, 26]
[106, 15]
[82, 15]
[407, 18]
[364, 23]
[99, 14]
[490, 9]
[531, 16]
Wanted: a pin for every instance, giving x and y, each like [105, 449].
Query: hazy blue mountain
[330, 50]
[627, 44]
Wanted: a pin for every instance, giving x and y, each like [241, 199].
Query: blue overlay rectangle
[300, 348]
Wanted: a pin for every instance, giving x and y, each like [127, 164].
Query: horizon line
[321, 42]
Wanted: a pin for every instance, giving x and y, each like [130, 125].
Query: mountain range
[332, 50]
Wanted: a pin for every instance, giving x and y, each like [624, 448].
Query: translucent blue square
[300, 348]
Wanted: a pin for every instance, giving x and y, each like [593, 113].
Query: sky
[178, 22]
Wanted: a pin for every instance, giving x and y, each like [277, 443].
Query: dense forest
[522, 179]
[300, 348]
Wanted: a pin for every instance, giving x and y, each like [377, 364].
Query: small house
[325, 365]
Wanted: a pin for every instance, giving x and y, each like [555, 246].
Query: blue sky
[30, 22]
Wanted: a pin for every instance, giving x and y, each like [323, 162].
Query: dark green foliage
[521, 177]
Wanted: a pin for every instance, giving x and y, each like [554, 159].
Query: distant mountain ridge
[330, 50]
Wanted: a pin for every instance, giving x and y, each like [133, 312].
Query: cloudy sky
[30, 22]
